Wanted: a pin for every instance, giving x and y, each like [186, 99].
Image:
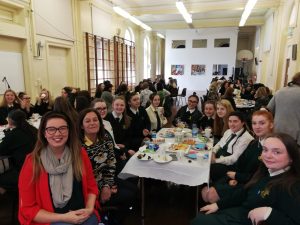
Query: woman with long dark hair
[272, 196]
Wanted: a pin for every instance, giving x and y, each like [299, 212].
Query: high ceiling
[162, 14]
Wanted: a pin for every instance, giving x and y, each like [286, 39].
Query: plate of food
[178, 147]
[189, 141]
[162, 158]
[144, 156]
[158, 140]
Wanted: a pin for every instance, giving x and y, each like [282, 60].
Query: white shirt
[190, 110]
[108, 127]
[152, 116]
[116, 116]
[241, 143]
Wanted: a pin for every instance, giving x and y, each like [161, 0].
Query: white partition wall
[202, 57]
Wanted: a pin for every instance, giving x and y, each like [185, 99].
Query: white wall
[208, 56]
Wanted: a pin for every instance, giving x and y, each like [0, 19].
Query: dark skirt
[230, 216]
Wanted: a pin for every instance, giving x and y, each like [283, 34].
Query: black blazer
[122, 133]
[4, 112]
[138, 124]
[17, 143]
[187, 117]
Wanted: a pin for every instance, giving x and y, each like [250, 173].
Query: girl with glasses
[56, 184]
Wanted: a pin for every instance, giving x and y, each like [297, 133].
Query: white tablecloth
[193, 173]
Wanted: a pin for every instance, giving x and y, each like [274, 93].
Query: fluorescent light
[127, 15]
[146, 27]
[121, 12]
[160, 35]
[181, 8]
[247, 11]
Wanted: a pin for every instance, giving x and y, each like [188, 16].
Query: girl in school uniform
[272, 194]
[227, 151]
[140, 122]
[157, 119]
[246, 165]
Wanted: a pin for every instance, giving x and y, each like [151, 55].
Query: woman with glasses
[26, 105]
[100, 105]
[56, 184]
[189, 114]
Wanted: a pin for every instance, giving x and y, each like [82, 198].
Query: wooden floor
[165, 204]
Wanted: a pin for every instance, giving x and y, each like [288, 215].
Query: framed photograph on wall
[198, 69]
[220, 69]
[177, 69]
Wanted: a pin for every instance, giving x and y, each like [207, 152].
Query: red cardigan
[34, 196]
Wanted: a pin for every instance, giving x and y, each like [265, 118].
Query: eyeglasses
[101, 109]
[26, 98]
[192, 101]
[52, 130]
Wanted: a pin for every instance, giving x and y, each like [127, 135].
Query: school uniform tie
[158, 121]
[223, 150]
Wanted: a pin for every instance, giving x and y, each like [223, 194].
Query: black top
[187, 117]
[42, 108]
[18, 143]
[205, 122]
[138, 124]
[76, 201]
[121, 132]
[4, 112]
[285, 207]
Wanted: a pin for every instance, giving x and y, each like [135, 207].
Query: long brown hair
[72, 142]
[292, 176]
[221, 124]
[4, 102]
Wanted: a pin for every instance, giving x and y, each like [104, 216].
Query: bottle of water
[194, 130]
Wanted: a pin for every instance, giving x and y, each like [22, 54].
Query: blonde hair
[4, 102]
[261, 92]
[221, 124]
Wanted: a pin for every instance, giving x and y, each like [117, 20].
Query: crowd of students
[83, 143]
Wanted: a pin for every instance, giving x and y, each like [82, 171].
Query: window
[112, 60]
[158, 58]
[201, 43]
[147, 65]
[178, 44]
[222, 43]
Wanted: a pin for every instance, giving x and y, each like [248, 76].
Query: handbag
[4, 164]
